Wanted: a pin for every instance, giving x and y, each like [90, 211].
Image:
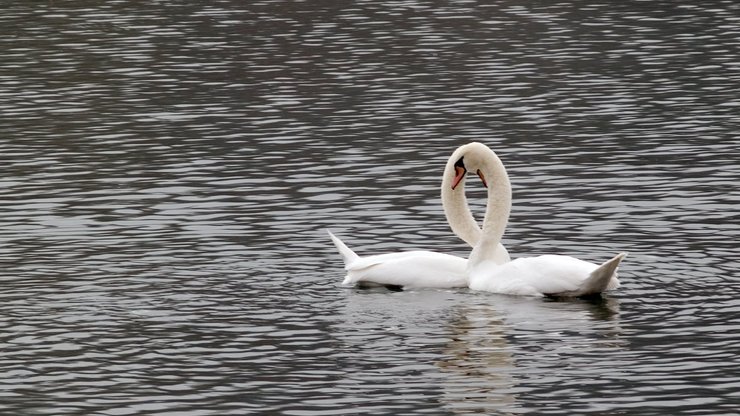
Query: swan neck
[456, 208]
[497, 209]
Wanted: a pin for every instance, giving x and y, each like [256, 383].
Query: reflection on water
[479, 361]
[169, 171]
[503, 351]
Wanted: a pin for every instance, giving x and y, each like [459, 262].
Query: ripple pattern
[169, 170]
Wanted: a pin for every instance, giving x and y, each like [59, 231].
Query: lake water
[169, 171]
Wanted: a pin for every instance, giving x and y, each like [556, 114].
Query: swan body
[548, 275]
[551, 275]
[408, 269]
[426, 268]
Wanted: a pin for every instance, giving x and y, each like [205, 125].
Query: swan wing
[546, 275]
[556, 274]
[569, 276]
[531, 276]
[410, 269]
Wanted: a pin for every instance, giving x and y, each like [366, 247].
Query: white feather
[532, 276]
[546, 275]
[425, 268]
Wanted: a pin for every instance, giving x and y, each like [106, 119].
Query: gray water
[169, 171]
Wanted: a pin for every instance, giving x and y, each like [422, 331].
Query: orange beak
[459, 175]
[482, 178]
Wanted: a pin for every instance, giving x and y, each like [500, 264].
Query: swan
[413, 269]
[548, 275]
[427, 269]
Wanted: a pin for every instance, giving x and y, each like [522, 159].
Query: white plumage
[426, 268]
[489, 267]
[552, 275]
[408, 269]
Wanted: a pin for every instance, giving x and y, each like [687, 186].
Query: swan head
[471, 157]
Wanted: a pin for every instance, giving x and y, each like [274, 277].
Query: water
[169, 170]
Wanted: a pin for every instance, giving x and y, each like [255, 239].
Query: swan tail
[348, 256]
[603, 278]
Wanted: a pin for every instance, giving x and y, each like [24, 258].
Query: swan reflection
[475, 352]
[500, 340]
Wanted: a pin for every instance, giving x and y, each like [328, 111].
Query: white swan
[407, 269]
[426, 268]
[551, 275]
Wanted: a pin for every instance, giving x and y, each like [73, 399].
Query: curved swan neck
[499, 201]
[498, 206]
[456, 207]
[477, 157]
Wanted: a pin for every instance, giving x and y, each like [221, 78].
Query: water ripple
[170, 170]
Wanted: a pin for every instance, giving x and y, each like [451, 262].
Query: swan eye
[460, 163]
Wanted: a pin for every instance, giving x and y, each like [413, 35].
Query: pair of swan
[489, 267]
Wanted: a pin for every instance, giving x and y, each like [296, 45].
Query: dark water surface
[169, 171]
